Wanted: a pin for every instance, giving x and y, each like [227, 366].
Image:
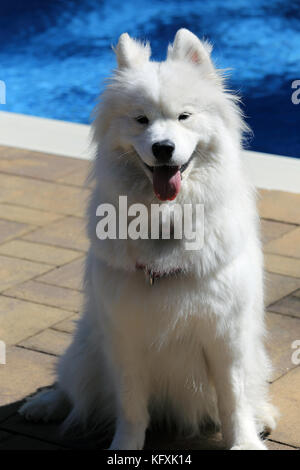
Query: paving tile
[282, 265]
[279, 205]
[278, 286]
[39, 165]
[47, 294]
[163, 441]
[48, 341]
[13, 271]
[165, 438]
[287, 245]
[50, 432]
[26, 215]
[271, 230]
[24, 372]
[39, 316]
[4, 435]
[286, 397]
[9, 230]
[287, 306]
[66, 233]
[20, 319]
[9, 188]
[272, 445]
[43, 195]
[154, 440]
[38, 252]
[70, 275]
[158, 439]
[19, 442]
[78, 177]
[282, 331]
[297, 293]
[8, 409]
[68, 325]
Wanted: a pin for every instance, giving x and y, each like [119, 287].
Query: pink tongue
[166, 182]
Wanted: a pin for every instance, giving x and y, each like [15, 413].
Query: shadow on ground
[17, 433]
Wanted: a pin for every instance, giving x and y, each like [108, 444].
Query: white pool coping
[73, 140]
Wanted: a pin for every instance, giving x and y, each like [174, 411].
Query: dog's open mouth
[167, 180]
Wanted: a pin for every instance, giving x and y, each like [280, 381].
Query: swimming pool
[54, 55]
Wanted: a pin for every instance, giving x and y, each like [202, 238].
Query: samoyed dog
[188, 346]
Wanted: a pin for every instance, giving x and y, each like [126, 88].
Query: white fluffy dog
[191, 345]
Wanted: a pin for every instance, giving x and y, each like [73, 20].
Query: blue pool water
[54, 54]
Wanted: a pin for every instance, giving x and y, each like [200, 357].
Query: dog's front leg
[227, 360]
[131, 401]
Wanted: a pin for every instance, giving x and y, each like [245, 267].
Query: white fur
[191, 346]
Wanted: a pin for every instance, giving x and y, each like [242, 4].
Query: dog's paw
[127, 444]
[267, 419]
[128, 441]
[257, 445]
[47, 405]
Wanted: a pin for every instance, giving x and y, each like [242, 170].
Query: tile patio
[42, 247]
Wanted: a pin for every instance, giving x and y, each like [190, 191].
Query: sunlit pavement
[42, 246]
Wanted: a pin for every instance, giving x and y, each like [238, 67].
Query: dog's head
[169, 115]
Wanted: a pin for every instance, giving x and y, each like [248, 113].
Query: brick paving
[42, 247]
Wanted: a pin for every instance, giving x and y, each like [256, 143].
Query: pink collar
[152, 276]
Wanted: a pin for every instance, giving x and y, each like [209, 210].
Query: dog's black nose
[163, 150]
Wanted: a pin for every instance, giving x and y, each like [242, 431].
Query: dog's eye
[142, 119]
[183, 116]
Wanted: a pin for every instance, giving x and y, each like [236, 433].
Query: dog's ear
[131, 53]
[187, 46]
